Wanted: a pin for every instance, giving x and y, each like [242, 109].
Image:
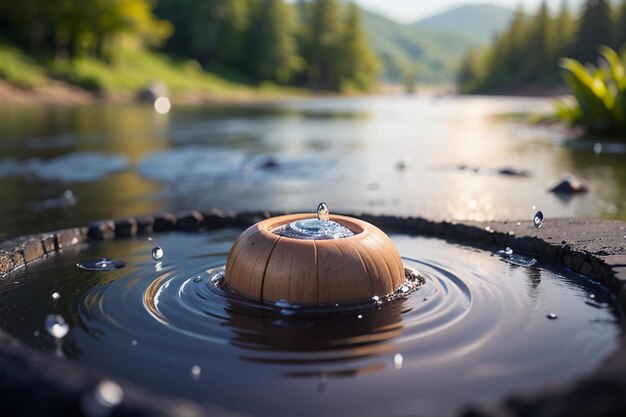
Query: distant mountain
[432, 55]
[480, 21]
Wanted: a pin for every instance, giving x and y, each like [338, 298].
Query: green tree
[321, 38]
[211, 31]
[620, 32]
[595, 29]
[359, 64]
[540, 44]
[271, 44]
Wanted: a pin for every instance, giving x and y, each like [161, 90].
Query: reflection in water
[476, 330]
[291, 155]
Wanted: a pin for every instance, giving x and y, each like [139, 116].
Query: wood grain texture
[268, 267]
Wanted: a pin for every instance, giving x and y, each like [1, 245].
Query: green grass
[132, 69]
[19, 69]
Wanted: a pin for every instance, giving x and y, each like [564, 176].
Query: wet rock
[512, 172]
[569, 185]
[32, 249]
[153, 91]
[102, 230]
[126, 227]
[164, 221]
[190, 220]
[49, 243]
[6, 264]
[145, 224]
[69, 237]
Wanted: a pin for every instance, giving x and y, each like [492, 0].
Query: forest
[527, 54]
[317, 44]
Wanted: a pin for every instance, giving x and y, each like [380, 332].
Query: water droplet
[133, 342]
[519, 223]
[404, 289]
[101, 265]
[597, 148]
[36, 333]
[360, 316]
[552, 316]
[102, 399]
[487, 229]
[149, 238]
[538, 219]
[56, 295]
[199, 278]
[196, 371]
[398, 360]
[520, 260]
[322, 212]
[508, 251]
[157, 253]
[592, 296]
[533, 207]
[56, 326]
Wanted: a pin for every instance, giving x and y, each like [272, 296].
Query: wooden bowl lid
[265, 266]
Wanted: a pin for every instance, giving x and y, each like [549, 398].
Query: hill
[480, 21]
[432, 54]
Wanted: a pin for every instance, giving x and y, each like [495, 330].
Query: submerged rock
[570, 185]
[151, 92]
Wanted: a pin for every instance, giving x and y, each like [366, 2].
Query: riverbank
[26, 79]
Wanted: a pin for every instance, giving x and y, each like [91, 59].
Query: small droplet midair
[538, 219]
[157, 253]
[322, 212]
[56, 326]
[101, 401]
[552, 316]
[597, 148]
[592, 296]
[508, 251]
[196, 372]
[360, 316]
[36, 333]
[398, 360]
[56, 295]
[101, 265]
[133, 342]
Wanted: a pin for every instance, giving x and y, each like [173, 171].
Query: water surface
[386, 154]
[477, 330]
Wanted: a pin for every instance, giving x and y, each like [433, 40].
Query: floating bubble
[101, 265]
[56, 295]
[323, 214]
[56, 326]
[196, 372]
[538, 219]
[157, 253]
[398, 360]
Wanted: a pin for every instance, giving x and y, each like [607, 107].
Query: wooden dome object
[265, 266]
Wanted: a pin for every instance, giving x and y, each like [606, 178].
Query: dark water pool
[387, 154]
[476, 330]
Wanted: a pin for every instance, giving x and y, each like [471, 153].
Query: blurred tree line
[319, 44]
[529, 51]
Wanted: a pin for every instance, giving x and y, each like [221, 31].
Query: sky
[408, 11]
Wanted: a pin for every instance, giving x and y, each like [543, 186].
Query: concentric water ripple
[476, 329]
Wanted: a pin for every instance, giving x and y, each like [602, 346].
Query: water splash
[538, 219]
[101, 265]
[321, 228]
[515, 258]
[56, 326]
[157, 253]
